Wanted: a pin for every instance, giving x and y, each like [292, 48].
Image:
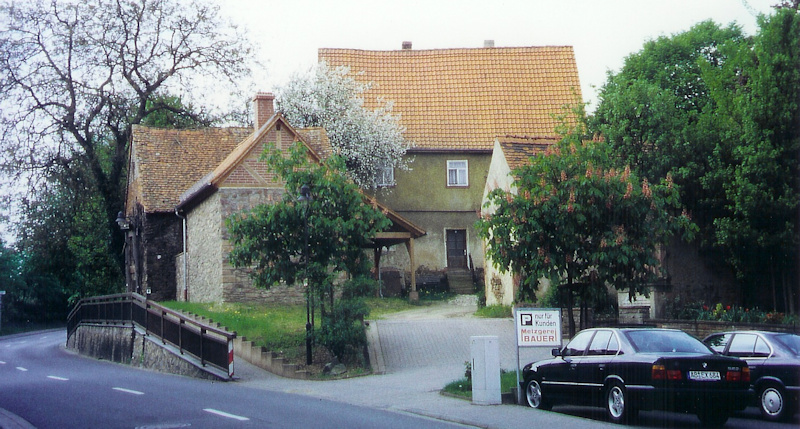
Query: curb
[9, 420]
[374, 348]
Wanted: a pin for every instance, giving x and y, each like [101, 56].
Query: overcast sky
[602, 32]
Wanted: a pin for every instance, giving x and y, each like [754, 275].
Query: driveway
[438, 336]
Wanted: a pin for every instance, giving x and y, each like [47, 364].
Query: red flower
[727, 307]
[705, 308]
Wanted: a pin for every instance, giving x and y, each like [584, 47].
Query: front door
[456, 248]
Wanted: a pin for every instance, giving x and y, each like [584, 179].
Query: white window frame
[461, 173]
[384, 176]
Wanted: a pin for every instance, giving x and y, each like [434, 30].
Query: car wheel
[533, 394]
[618, 407]
[713, 417]
[771, 401]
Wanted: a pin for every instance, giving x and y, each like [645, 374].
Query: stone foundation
[124, 344]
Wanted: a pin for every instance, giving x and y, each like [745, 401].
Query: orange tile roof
[464, 98]
[519, 150]
[168, 161]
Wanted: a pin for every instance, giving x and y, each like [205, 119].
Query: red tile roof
[464, 98]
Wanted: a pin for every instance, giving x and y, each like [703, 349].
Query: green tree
[76, 76]
[579, 220]
[270, 238]
[657, 114]
[719, 112]
[759, 95]
[10, 281]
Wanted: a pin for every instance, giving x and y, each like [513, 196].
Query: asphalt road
[54, 388]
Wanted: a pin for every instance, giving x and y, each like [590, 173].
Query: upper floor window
[384, 176]
[457, 173]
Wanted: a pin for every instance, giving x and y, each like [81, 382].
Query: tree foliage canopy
[576, 216]
[75, 76]
[270, 237]
[720, 113]
[331, 98]
[316, 239]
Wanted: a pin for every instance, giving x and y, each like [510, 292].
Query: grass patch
[378, 307]
[495, 312]
[463, 388]
[276, 327]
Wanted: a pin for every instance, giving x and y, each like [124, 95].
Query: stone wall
[702, 328]
[112, 343]
[237, 286]
[205, 253]
[149, 353]
[211, 277]
[124, 344]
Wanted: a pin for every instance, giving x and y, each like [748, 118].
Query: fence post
[180, 335]
[202, 346]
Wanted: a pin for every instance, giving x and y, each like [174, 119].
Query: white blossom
[331, 98]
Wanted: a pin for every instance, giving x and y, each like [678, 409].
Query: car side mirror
[555, 352]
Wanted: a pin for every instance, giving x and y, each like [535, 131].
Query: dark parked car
[774, 361]
[626, 370]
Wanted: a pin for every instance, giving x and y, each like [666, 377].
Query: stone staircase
[460, 281]
[258, 355]
[266, 360]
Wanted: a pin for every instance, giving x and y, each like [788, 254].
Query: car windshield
[655, 341]
[792, 342]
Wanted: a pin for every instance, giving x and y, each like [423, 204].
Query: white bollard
[485, 352]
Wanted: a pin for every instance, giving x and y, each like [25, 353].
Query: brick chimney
[264, 108]
[406, 46]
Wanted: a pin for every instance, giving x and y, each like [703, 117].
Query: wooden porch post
[413, 295]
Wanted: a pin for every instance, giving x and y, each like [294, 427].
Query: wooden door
[456, 248]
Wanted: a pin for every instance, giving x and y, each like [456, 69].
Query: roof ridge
[475, 48]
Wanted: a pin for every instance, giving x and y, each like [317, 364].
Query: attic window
[457, 173]
[384, 176]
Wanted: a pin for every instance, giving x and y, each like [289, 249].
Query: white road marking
[132, 392]
[53, 377]
[22, 369]
[224, 414]
[2, 363]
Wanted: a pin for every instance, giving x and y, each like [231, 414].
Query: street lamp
[305, 197]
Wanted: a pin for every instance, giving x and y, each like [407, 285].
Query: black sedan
[630, 369]
[774, 361]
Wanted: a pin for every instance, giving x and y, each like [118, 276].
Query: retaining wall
[124, 344]
[704, 328]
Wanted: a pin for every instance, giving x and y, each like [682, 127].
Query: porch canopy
[401, 231]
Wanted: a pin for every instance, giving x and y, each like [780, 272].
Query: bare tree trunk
[570, 304]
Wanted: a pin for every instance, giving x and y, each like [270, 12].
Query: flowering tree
[369, 140]
[581, 222]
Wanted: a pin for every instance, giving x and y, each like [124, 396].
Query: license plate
[704, 375]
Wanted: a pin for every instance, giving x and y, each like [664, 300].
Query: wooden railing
[209, 344]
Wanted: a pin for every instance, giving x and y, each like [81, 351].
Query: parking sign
[538, 327]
